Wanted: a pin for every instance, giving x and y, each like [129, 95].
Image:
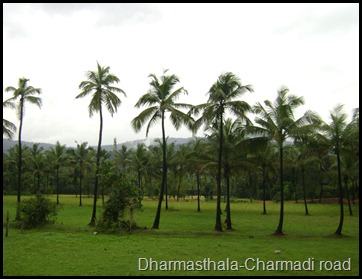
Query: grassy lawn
[187, 239]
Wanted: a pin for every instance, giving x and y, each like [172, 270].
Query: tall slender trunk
[80, 190]
[279, 229]
[218, 226]
[17, 217]
[320, 183]
[228, 210]
[179, 184]
[320, 192]
[198, 191]
[165, 186]
[304, 192]
[348, 199]
[164, 175]
[264, 171]
[340, 225]
[139, 178]
[57, 184]
[93, 220]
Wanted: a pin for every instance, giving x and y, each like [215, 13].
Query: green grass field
[186, 243]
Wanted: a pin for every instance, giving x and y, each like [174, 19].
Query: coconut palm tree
[160, 100]
[38, 163]
[222, 95]
[24, 93]
[99, 84]
[138, 162]
[277, 122]
[8, 127]
[80, 157]
[264, 157]
[195, 164]
[337, 133]
[58, 156]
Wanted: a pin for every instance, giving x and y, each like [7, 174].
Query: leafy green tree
[38, 164]
[180, 162]
[196, 164]
[10, 161]
[121, 158]
[160, 100]
[299, 156]
[8, 127]
[264, 157]
[222, 95]
[25, 93]
[100, 84]
[277, 122]
[138, 162]
[350, 157]
[155, 168]
[81, 157]
[337, 133]
[58, 157]
[234, 157]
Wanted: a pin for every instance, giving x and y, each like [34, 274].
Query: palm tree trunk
[57, 185]
[340, 225]
[20, 158]
[164, 175]
[304, 193]
[320, 192]
[228, 210]
[139, 184]
[348, 199]
[179, 184]
[80, 190]
[218, 226]
[198, 191]
[93, 220]
[165, 186]
[279, 230]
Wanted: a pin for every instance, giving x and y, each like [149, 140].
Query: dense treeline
[187, 164]
[273, 157]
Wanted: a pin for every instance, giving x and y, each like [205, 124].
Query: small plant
[37, 211]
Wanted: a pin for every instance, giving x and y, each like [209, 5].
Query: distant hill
[10, 143]
[129, 144]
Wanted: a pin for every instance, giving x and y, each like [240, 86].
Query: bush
[118, 211]
[37, 211]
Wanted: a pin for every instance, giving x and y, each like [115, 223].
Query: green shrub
[37, 211]
[118, 209]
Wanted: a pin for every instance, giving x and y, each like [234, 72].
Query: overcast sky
[313, 49]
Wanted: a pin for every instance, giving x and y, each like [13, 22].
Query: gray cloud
[109, 13]
[322, 19]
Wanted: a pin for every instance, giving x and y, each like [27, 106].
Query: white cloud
[311, 48]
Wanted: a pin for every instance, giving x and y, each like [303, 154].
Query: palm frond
[174, 95]
[148, 99]
[143, 117]
[8, 128]
[34, 100]
[9, 103]
[178, 118]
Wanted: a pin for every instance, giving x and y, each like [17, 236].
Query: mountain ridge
[7, 143]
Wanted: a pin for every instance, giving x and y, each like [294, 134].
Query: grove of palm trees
[250, 153]
[277, 156]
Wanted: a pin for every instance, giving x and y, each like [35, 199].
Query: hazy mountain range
[129, 144]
